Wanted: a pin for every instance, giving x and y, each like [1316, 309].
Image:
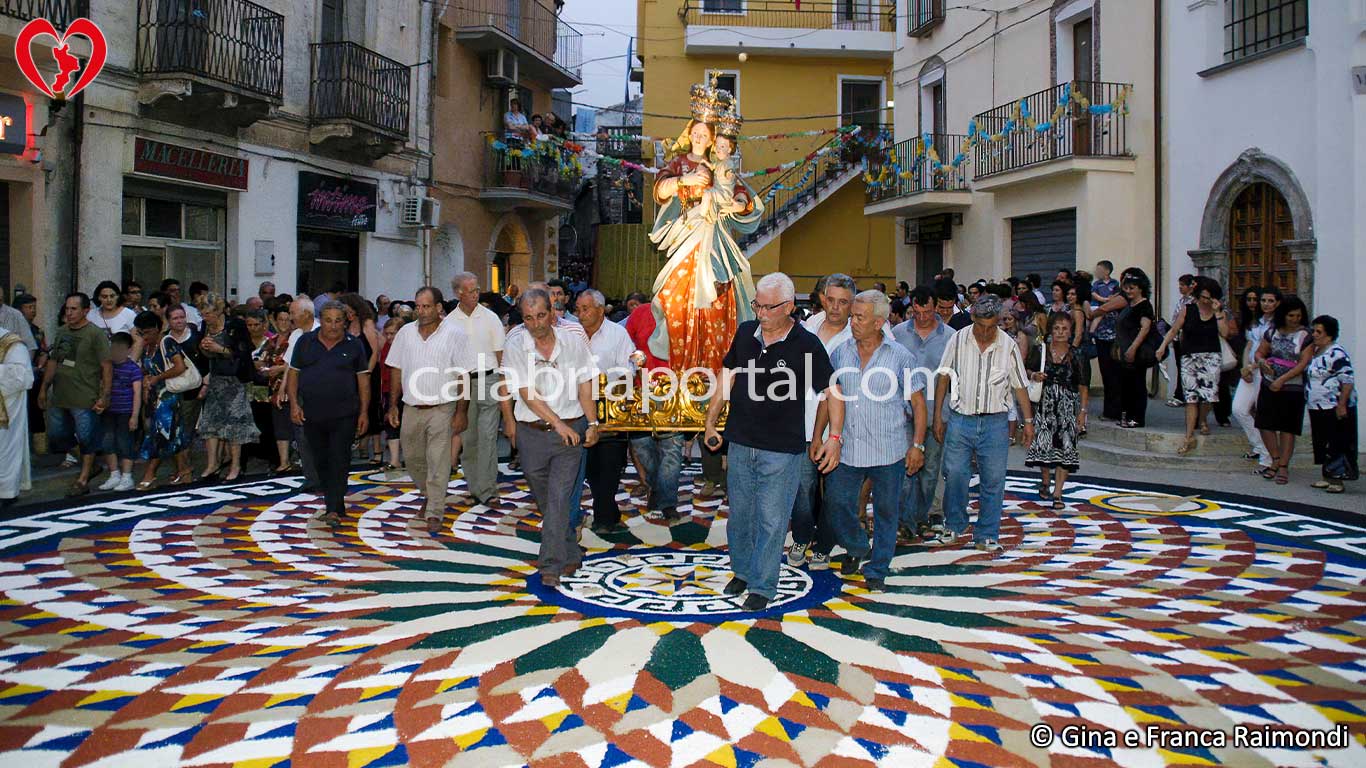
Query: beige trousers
[426, 439]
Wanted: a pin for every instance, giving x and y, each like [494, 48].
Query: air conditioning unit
[423, 212]
[500, 67]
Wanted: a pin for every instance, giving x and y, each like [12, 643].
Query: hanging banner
[331, 202]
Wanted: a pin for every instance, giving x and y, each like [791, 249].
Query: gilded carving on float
[666, 408]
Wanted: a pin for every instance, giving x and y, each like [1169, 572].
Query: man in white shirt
[612, 347]
[550, 372]
[970, 422]
[484, 334]
[301, 316]
[428, 363]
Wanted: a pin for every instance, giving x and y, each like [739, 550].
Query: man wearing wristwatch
[873, 376]
[550, 372]
[81, 376]
[771, 365]
[986, 371]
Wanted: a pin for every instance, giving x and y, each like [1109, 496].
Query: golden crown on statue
[729, 123]
[709, 102]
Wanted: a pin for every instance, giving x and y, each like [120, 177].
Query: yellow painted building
[806, 66]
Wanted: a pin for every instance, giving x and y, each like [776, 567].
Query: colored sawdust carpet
[224, 626]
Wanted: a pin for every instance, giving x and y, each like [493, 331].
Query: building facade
[235, 142]
[792, 66]
[500, 213]
[1063, 171]
[1273, 197]
[37, 141]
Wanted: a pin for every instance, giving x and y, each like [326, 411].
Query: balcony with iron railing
[358, 97]
[528, 181]
[1086, 139]
[924, 16]
[60, 12]
[911, 184]
[229, 53]
[550, 51]
[846, 28]
[622, 143]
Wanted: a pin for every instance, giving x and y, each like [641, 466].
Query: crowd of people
[908, 388]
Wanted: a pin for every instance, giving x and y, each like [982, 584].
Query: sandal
[227, 479]
[78, 489]
[182, 479]
[210, 473]
[1044, 489]
[1268, 473]
[146, 485]
[1186, 447]
[1335, 488]
[1283, 475]
[1204, 429]
[1058, 503]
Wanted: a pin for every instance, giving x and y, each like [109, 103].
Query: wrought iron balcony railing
[232, 42]
[914, 172]
[531, 173]
[532, 23]
[1075, 133]
[352, 82]
[865, 15]
[622, 143]
[59, 12]
[924, 16]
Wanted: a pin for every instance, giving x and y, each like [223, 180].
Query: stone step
[1222, 441]
[1108, 453]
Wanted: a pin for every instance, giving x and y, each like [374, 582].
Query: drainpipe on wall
[77, 139]
[1157, 153]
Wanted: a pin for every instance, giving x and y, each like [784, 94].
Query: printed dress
[166, 432]
[1055, 420]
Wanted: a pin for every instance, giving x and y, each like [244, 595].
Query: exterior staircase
[799, 190]
[1154, 447]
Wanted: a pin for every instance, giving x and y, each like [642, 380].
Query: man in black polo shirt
[771, 363]
[329, 395]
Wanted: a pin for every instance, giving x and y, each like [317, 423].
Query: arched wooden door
[1259, 223]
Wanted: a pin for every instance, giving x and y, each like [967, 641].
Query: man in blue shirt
[873, 376]
[924, 335]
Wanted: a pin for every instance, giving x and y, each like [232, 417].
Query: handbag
[185, 382]
[1035, 388]
[1227, 359]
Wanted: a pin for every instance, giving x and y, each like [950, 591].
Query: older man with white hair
[612, 348]
[302, 317]
[770, 365]
[873, 374]
[484, 338]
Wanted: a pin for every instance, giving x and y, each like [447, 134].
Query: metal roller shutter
[1043, 244]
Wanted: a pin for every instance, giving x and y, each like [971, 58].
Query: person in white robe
[16, 376]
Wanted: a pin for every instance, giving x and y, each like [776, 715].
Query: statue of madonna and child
[704, 290]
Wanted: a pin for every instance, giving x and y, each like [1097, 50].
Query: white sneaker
[820, 562]
[990, 545]
[69, 461]
[796, 554]
[945, 539]
[125, 483]
[114, 478]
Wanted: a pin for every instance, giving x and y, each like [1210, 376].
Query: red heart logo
[67, 64]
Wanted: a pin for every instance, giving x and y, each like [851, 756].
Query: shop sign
[13, 124]
[929, 229]
[157, 158]
[331, 202]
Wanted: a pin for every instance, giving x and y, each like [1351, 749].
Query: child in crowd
[121, 420]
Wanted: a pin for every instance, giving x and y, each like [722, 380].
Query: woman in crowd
[1057, 364]
[1079, 308]
[272, 368]
[157, 304]
[1058, 298]
[1185, 285]
[109, 314]
[1332, 407]
[260, 339]
[1132, 328]
[187, 337]
[1240, 316]
[1282, 356]
[360, 322]
[1010, 325]
[226, 415]
[1032, 316]
[167, 436]
[1201, 326]
[1250, 378]
[391, 433]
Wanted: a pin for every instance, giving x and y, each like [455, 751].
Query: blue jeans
[917, 491]
[117, 437]
[69, 427]
[762, 486]
[986, 438]
[842, 513]
[661, 459]
[808, 518]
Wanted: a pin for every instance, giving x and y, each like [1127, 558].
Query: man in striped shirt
[873, 376]
[986, 369]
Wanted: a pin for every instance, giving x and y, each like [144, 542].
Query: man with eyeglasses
[770, 365]
[132, 296]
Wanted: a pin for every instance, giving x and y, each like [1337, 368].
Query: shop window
[132, 215]
[162, 219]
[201, 223]
[165, 238]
